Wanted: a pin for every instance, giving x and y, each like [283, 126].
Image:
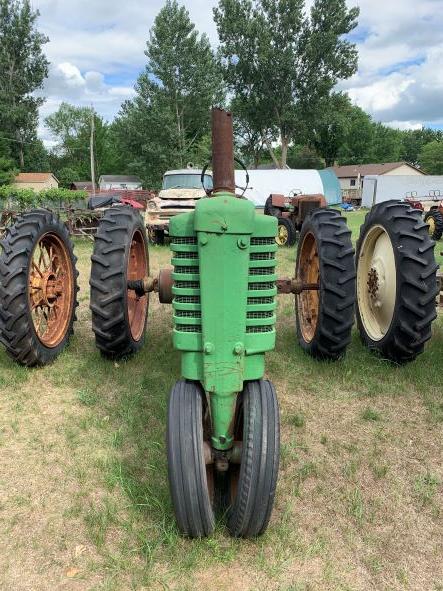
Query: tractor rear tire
[38, 288]
[119, 316]
[396, 281]
[325, 257]
[270, 209]
[435, 220]
[253, 484]
[191, 480]
[286, 232]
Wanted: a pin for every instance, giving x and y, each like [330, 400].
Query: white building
[352, 176]
[119, 181]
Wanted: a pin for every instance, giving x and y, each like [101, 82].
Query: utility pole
[91, 146]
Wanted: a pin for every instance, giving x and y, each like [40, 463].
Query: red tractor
[290, 212]
[434, 215]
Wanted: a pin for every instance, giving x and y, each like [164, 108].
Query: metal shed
[264, 182]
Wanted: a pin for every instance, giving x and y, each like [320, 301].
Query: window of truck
[185, 181]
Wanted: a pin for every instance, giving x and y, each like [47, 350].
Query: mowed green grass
[84, 499]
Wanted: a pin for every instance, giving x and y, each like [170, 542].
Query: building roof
[34, 177]
[81, 185]
[353, 170]
[119, 178]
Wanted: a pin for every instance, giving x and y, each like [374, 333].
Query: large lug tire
[38, 288]
[270, 209]
[325, 256]
[434, 219]
[396, 281]
[191, 480]
[286, 232]
[119, 316]
[253, 483]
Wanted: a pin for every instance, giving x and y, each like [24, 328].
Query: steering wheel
[209, 191]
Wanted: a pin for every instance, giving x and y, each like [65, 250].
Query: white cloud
[404, 125]
[97, 48]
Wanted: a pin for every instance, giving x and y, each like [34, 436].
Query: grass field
[84, 500]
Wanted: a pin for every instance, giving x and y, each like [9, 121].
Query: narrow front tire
[253, 483]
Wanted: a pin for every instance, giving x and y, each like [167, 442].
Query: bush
[22, 199]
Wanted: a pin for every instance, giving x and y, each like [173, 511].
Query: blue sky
[96, 52]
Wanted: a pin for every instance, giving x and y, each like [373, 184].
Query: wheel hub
[45, 289]
[376, 283]
[282, 235]
[50, 289]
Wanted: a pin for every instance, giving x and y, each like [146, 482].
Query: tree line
[277, 66]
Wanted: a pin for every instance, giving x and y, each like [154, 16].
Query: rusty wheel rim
[308, 300]
[51, 289]
[137, 269]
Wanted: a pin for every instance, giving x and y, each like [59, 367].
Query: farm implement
[223, 417]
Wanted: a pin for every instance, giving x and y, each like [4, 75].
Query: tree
[357, 147]
[71, 128]
[36, 157]
[23, 68]
[387, 143]
[330, 126]
[431, 157]
[181, 66]
[414, 140]
[280, 64]
[8, 171]
[167, 123]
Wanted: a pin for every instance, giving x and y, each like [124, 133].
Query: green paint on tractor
[224, 300]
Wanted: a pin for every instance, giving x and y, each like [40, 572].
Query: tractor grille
[187, 299]
[186, 255]
[262, 256]
[260, 316]
[186, 303]
[183, 240]
[254, 301]
[259, 286]
[262, 241]
[250, 329]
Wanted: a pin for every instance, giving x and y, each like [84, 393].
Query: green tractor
[223, 417]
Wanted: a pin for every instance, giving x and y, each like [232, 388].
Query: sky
[96, 51]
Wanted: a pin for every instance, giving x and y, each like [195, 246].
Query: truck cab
[181, 189]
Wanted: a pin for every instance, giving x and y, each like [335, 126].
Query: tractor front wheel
[119, 314]
[396, 281]
[38, 288]
[434, 218]
[286, 232]
[252, 484]
[190, 470]
[325, 262]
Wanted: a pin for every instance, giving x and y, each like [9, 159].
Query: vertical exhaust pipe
[222, 151]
